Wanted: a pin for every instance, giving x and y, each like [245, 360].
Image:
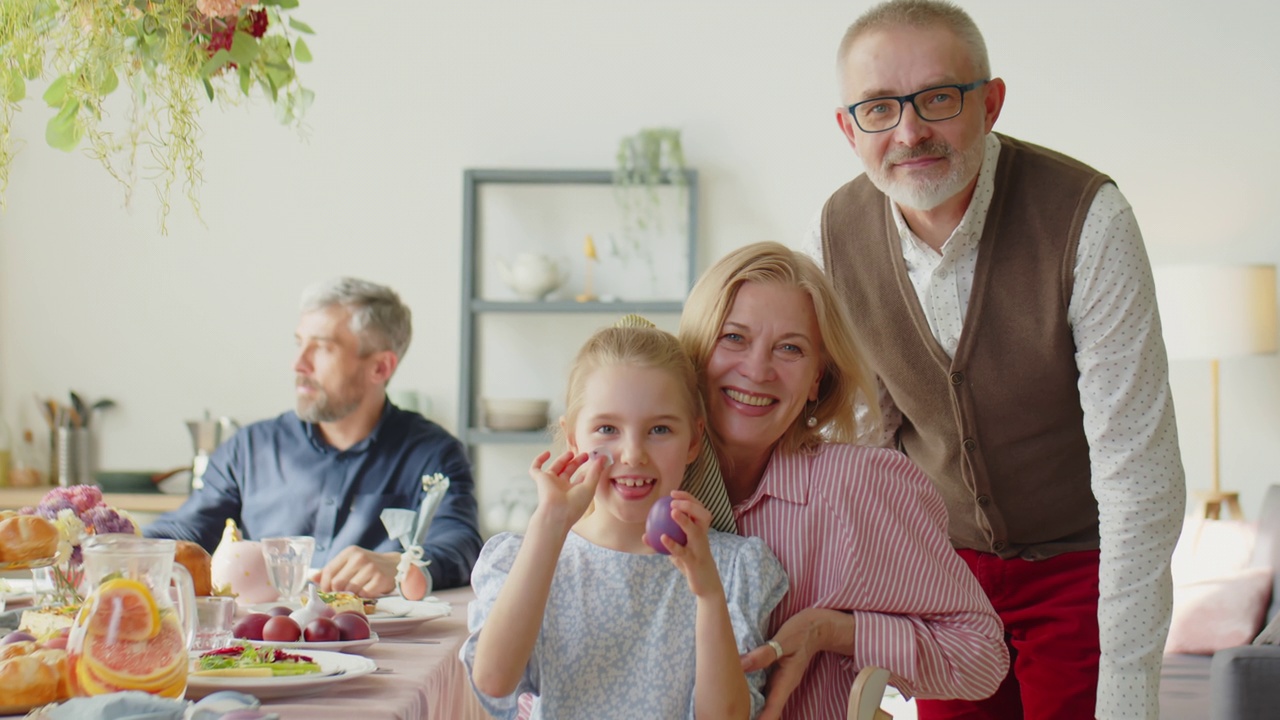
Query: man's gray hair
[378, 317]
[921, 14]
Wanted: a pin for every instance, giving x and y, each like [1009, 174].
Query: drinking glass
[214, 617]
[288, 560]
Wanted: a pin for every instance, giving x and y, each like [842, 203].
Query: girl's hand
[693, 559]
[566, 486]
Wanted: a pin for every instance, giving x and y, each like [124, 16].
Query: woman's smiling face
[765, 366]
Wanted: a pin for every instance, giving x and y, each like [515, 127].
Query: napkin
[135, 705]
[410, 527]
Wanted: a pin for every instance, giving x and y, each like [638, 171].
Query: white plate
[263, 607]
[397, 615]
[334, 668]
[26, 564]
[336, 646]
[20, 594]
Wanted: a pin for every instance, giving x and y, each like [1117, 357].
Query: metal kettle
[207, 435]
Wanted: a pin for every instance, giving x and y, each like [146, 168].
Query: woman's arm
[506, 641]
[719, 687]
[802, 636]
[906, 601]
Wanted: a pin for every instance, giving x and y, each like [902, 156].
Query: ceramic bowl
[515, 413]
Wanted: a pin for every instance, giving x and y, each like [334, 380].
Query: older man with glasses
[1006, 302]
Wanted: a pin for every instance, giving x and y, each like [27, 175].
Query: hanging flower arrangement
[168, 57]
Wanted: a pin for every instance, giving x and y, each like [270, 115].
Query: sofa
[1237, 683]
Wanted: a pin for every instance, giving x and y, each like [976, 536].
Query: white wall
[1173, 99]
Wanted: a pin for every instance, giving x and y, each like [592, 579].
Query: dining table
[419, 676]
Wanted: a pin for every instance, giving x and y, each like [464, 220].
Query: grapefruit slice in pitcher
[123, 609]
[157, 665]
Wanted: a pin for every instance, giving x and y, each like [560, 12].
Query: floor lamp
[1213, 312]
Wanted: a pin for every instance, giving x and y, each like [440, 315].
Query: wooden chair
[866, 694]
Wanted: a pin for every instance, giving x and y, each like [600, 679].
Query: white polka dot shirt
[1137, 474]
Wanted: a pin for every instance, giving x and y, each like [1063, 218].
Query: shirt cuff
[1128, 695]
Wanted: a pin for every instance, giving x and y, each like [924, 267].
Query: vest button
[957, 378]
[970, 444]
[984, 500]
[997, 545]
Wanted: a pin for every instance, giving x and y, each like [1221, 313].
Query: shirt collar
[971, 223]
[316, 438]
[785, 478]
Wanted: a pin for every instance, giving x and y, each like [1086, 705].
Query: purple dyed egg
[661, 523]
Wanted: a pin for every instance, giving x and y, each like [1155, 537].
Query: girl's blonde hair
[635, 342]
[845, 377]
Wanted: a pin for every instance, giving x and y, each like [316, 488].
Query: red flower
[255, 23]
[221, 40]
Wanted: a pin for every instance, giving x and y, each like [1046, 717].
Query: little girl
[582, 614]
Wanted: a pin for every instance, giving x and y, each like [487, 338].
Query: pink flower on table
[221, 8]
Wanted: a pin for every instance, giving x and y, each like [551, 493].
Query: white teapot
[532, 276]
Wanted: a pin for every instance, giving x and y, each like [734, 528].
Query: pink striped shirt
[861, 529]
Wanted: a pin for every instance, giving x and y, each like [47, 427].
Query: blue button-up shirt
[279, 477]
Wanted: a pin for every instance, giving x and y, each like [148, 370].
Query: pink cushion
[1217, 613]
[1211, 548]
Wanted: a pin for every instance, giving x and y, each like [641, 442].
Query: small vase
[59, 585]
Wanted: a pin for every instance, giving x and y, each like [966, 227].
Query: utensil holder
[85, 471]
[63, 457]
[72, 457]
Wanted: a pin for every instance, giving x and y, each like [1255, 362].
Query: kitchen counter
[15, 498]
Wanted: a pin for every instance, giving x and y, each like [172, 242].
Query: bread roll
[57, 659]
[27, 537]
[198, 562]
[27, 681]
[17, 649]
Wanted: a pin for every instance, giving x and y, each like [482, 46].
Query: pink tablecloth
[427, 679]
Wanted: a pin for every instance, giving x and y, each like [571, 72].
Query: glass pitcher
[128, 634]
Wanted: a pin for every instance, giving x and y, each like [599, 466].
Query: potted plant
[647, 160]
[164, 55]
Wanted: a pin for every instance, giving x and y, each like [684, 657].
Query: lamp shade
[1217, 311]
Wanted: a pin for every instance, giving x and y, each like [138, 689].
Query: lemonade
[121, 640]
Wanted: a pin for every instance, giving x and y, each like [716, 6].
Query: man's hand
[363, 572]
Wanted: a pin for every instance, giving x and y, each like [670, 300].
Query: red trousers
[1050, 614]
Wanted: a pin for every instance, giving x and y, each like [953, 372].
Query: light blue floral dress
[617, 638]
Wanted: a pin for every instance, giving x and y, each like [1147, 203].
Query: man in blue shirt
[330, 468]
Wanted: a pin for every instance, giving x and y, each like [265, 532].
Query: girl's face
[639, 416]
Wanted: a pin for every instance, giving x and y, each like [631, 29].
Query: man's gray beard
[322, 408]
[929, 194]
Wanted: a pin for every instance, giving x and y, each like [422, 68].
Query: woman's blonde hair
[635, 342]
[845, 377]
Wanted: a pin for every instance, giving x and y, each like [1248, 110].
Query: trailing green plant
[646, 161]
[166, 54]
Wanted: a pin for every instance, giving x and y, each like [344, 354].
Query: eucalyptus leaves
[167, 53]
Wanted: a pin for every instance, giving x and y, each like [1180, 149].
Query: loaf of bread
[28, 681]
[27, 537]
[198, 562]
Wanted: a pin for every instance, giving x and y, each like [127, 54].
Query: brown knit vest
[998, 428]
